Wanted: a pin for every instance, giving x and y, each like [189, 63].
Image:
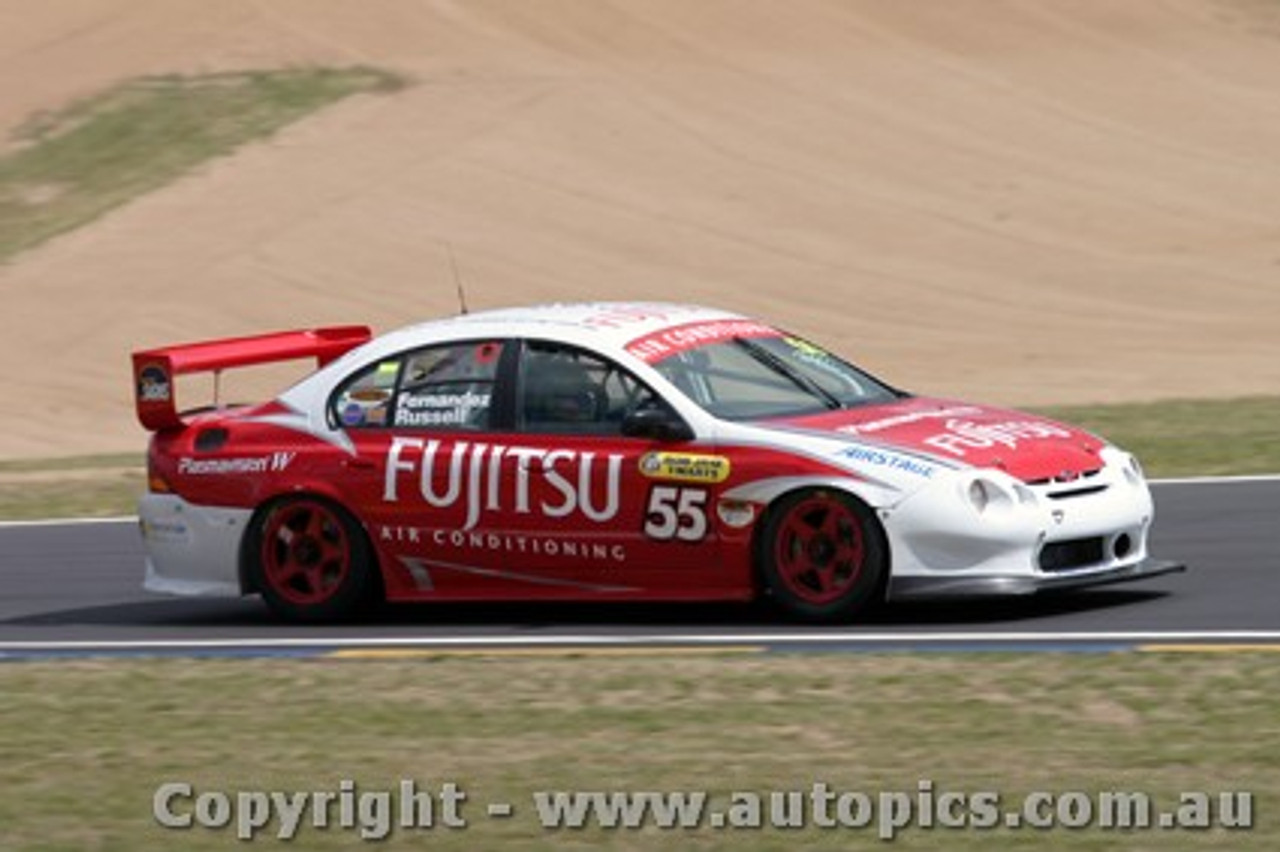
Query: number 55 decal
[679, 513]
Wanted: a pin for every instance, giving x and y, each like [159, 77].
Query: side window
[366, 399]
[448, 387]
[565, 389]
[444, 387]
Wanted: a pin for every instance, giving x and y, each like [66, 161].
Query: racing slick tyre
[823, 556]
[311, 561]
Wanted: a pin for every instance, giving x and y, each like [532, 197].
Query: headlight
[986, 495]
[1133, 470]
[978, 495]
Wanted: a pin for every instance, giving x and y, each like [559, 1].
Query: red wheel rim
[305, 553]
[819, 550]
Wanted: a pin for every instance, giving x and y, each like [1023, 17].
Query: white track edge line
[1242, 479]
[570, 639]
[69, 522]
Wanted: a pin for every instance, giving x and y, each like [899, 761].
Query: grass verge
[1190, 437]
[71, 487]
[65, 168]
[87, 743]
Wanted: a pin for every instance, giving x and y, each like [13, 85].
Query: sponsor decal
[273, 463]
[353, 415]
[154, 384]
[369, 396]
[735, 513]
[494, 478]
[962, 435]
[487, 353]
[439, 409]
[907, 419]
[685, 467]
[816, 357]
[165, 532]
[513, 543]
[660, 344]
[891, 461]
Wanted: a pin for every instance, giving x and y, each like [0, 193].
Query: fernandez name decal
[495, 477]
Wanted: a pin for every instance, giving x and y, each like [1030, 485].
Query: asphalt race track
[76, 586]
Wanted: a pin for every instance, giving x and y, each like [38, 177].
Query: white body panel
[935, 531]
[191, 550]
[939, 532]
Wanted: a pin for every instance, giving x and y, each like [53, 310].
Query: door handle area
[358, 463]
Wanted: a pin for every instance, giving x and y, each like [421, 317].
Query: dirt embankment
[1019, 202]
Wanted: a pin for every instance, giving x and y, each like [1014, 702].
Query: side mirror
[659, 424]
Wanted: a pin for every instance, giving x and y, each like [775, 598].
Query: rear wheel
[311, 560]
[823, 556]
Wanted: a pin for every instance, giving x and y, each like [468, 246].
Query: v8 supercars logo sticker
[685, 467]
[153, 384]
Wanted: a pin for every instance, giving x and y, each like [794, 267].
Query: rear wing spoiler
[154, 370]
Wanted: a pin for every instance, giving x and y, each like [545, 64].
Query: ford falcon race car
[613, 452]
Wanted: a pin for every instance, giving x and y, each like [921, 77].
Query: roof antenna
[457, 278]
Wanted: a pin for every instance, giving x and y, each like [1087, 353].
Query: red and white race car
[613, 452]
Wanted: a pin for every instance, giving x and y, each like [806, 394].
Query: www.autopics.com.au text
[374, 814]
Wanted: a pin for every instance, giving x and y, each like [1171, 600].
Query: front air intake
[1076, 553]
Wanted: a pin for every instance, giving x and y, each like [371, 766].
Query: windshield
[757, 377]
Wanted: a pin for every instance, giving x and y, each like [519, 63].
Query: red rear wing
[155, 369]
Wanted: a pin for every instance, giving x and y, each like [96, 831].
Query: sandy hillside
[1013, 201]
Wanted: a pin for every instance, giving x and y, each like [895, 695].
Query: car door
[607, 514]
[427, 469]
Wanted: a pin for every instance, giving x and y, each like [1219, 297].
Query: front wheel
[823, 556]
[311, 561]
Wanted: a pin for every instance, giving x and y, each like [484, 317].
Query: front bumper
[1021, 538]
[976, 586]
